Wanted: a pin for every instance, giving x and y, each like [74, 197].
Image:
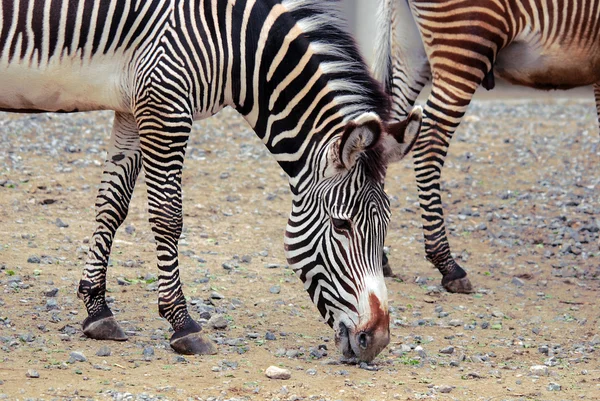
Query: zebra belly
[548, 67]
[68, 86]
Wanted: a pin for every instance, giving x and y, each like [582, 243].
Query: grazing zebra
[459, 44]
[288, 67]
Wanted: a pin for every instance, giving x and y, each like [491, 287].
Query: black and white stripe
[288, 67]
[459, 45]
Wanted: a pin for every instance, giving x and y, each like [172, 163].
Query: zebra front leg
[597, 97]
[122, 166]
[163, 151]
[405, 90]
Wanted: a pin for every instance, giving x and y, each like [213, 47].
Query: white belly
[68, 85]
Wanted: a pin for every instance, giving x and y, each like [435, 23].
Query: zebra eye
[341, 224]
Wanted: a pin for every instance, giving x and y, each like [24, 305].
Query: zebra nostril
[343, 330]
[363, 340]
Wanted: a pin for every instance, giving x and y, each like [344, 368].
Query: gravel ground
[521, 185]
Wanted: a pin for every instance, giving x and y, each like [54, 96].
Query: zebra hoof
[192, 344]
[105, 328]
[459, 286]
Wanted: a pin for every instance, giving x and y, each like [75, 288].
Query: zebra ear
[401, 136]
[359, 135]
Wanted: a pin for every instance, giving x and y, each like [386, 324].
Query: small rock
[455, 323]
[76, 356]
[51, 292]
[444, 389]
[61, 224]
[103, 351]
[539, 370]
[270, 336]
[148, 352]
[216, 295]
[273, 372]
[34, 259]
[447, 350]
[518, 282]
[275, 289]
[33, 374]
[218, 322]
[122, 281]
[311, 372]
[292, 353]
[405, 348]
[51, 304]
[554, 386]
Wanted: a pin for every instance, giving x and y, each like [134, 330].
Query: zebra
[459, 45]
[289, 68]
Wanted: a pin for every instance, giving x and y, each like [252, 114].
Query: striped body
[459, 45]
[288, 67]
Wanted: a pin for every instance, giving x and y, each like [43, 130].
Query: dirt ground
[525, 169]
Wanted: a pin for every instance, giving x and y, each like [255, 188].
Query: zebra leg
[597, 96]
[446, 105]
[122, 166]
[405, 90]
[163, 141]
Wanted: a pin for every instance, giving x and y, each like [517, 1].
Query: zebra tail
[382, 66]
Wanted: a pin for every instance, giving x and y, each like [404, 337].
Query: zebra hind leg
[121, 169]
[163, 151]
[443, 112]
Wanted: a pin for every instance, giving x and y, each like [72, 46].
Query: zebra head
[335, 233]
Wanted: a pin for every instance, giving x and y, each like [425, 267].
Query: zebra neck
[300, 79]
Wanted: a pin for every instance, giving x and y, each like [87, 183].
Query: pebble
[447, 350]
[76, 356]
[218, 322]
[61, 224]
[554, 386]
[518, 282]
[419, 350]
[539, 370]
[103, 351]
[216, 295]
[275, 289]
[270, 336]
[34, 259]
[148, 352]
[32, 373]
[51, 304]
[445, 389]
[273, 372]
[51, 292]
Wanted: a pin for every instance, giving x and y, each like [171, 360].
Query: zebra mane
[356, 91]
